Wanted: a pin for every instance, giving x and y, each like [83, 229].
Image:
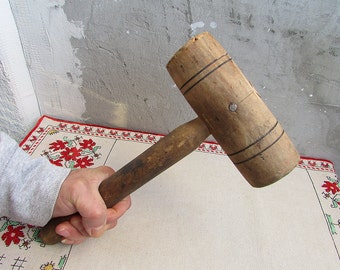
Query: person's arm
[28, 186]
[32, 191]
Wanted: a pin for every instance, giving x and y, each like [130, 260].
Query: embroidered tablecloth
[199, 214]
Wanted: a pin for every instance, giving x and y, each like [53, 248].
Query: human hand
[79, 193]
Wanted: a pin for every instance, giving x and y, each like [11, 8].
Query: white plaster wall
[45, 33]
[19, 108]
[104, 61]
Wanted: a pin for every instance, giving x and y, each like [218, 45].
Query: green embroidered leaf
[14, 223]
[94, 150]
[335, 204]
[71, 164]
[86, 152]
[62, 261]
[4, 226]
[54, 157]
[69, 142]
[36, 237]
[330, 223]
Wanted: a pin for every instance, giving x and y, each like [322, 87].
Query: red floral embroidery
[331, 187]
[84, 162]
[213, 147]
[89, 144]
[325, 164]
[312, 163]
[33, 138]
[58, 145]
[151, 137]
[25, 147]
[13, 234]
[70, 153]
[57, 162]
[74, 152]
[139, 136]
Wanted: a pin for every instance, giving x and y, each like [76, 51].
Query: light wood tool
[228, 107]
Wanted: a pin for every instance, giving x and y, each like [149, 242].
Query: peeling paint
[52, 60]
[195, 26]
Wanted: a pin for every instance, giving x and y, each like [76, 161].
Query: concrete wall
[104, 61]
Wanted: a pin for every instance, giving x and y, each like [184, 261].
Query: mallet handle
[156, 159]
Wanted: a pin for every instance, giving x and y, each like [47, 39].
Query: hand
[79, 193]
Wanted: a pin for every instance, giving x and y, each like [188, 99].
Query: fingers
[94, 214]
[90, 204]
[114, 213]
[121, 207]
[78, 188]
[79, 193]
[74, 232]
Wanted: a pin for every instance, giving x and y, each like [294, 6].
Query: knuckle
[97, 213]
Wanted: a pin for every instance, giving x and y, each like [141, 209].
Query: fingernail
[63, 232]
[96, 231]
[67, 242]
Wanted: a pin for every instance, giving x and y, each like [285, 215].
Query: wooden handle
[156, 159]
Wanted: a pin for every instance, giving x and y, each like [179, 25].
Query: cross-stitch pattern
[75, 146]
[73, 152]
[331, 195]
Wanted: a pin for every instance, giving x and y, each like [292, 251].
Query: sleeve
[28, 186]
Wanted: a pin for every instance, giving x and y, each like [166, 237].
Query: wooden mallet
[228, 107]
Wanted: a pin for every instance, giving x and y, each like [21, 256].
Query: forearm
[29, 187]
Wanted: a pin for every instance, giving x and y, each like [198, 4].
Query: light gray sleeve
[28, 186]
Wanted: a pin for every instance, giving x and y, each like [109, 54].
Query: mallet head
[234, 113]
